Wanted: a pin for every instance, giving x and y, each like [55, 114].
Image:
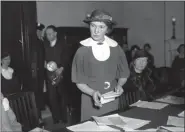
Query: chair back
[24, 106]
[128, 98]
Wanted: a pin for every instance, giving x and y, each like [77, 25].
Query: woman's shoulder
[83, 50]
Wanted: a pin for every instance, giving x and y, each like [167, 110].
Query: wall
[147, 21]
[73, 13]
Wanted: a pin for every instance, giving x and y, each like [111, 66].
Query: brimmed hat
[140, 54]
[40, 26]
[101, 16]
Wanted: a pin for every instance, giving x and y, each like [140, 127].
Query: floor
[48, 122]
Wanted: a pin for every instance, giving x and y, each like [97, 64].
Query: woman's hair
[178, 49]
[4, 54]
[134, 47]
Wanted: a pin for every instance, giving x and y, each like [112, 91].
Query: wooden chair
[127, 99]
[24, 106]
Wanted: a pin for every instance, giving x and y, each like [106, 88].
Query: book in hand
[109, 97]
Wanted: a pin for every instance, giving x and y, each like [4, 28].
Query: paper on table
[146, 130]
[175, 121]
[171, 100]
[181, 114]
[115, 121]
[149, 105]
[131, 123]
[172, 129]
[91, 126]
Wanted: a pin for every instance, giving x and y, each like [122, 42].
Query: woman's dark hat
[40, 26]
[100, 16]
[140, 54]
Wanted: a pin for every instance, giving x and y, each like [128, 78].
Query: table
[157, 117]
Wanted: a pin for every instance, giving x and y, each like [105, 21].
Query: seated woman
[177, 79]
[140, 77]
[9, 82]
[9, 121]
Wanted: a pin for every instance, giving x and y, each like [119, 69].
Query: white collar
[52, 43]
[91, 42]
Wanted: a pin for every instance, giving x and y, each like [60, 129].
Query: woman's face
[6, 61]
[98, 31]
[141, 63]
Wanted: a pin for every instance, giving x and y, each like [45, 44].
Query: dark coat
[140, 82]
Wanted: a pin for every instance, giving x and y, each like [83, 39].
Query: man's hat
[40, 26]
[101, 16]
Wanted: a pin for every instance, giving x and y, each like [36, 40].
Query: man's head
[40, 27]
[51, 33]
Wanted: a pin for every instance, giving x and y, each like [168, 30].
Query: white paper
[113, 120]
[146, 130]
[110, 94]
[37, 129]
[172, 129]
[104, 101]
[149, 105]
[91, 126]
[131, 123]
[175, 121]
[181, 114]
[171, 100]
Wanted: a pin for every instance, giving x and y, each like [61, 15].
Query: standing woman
[97, 66]
[9, 81]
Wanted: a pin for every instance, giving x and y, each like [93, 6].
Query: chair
[127, 99]
[24, 106]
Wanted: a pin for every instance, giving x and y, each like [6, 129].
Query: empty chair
[24, 107]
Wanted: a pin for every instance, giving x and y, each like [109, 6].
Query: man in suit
[56, 54]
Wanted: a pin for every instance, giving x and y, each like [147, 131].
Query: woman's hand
[119, 89]
[97, 97]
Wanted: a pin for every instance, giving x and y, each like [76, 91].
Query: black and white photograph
[91, 66]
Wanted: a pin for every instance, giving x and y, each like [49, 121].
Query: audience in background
[9, 122]
[127, 52]
[147, 49]
[177, 74]
[9, 81]
[133, 50]
[140, 76]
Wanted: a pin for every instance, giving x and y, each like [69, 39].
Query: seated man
[9, 122]
[140, 77]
